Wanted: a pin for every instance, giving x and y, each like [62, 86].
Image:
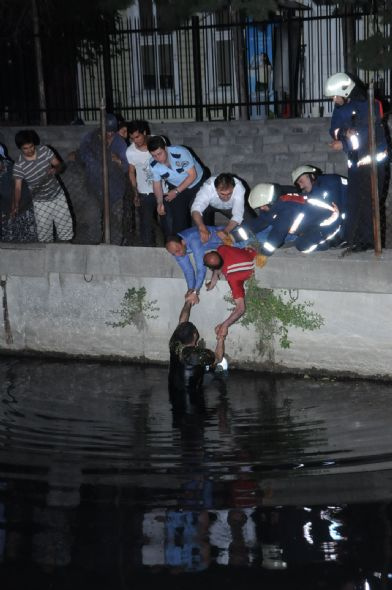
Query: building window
[224, 62]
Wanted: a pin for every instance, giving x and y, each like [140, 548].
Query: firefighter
[331, 188]
[350, 132]
[313, 223]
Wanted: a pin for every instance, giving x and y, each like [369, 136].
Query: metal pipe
[373, 172]
[105, 176]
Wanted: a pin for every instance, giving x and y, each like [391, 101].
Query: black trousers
[359, 223]
[178, 211]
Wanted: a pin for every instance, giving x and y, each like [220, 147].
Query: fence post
[197, 68]
[373, 173]
[107, 66]
[105, 177]
[39, 65]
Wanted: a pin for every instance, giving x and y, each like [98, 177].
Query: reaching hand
[336, 145]
[221, 331]
[204, 235]
[192, 298]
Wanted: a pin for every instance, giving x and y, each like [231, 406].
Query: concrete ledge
[288, 269]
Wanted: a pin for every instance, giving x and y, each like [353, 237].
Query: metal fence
[216, 66]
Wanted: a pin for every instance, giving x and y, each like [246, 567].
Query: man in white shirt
[223, 193]
[140, 176]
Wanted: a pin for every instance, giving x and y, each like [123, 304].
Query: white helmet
[339, 84]
[306, 169]
[262, 194]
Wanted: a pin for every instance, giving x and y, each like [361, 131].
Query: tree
[32, 73]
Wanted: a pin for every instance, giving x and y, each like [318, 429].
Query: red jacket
[238, 266]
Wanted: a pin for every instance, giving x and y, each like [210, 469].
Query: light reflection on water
[267, 477]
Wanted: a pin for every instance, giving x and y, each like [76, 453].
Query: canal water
[265, 482]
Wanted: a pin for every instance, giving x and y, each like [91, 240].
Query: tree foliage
[57, 16]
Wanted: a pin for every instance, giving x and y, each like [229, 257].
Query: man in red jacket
[237, 265]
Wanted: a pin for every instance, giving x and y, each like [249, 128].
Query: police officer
[331, 188]
[313, 223]
[350, 132]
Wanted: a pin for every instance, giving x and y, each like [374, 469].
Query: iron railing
[216, 66]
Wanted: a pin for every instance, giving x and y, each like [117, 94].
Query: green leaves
[134, 310]
[273, 314]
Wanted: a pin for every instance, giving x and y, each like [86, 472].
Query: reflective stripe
[296, 224]
[321, 204]
[354, 142]
[330, 220]
[241, 266]
[310, 249]
[269, 247]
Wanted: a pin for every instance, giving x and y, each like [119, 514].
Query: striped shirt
[238, 266]
[43, 186]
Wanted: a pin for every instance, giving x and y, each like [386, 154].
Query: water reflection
[270, 482]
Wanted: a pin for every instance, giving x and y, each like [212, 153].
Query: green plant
[134, 309]
[272, 314]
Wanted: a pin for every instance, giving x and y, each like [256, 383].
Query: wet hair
[224, 180]
[174, 238]
[184, 334]
[140, 126]
[26, 136]
[216, 266]
[155, 143]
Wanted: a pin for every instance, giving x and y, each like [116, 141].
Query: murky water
[267, 483]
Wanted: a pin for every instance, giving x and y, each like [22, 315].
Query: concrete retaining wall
[59, 298]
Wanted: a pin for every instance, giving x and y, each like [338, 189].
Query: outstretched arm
[214, 279]
[222, 329]
[185, 313]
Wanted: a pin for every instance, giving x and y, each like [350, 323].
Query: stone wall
[257, 151]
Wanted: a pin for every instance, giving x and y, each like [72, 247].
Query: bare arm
[185, 313]
[17, 196]
[203, 231]
[230, 226]
[222, 329]
[214, 279]
[132, 180]
[57, 166]
[157, 188]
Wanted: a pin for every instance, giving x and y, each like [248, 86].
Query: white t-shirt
[140, 160]
[207, 195]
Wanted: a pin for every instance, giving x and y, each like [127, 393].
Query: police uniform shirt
[180, 160]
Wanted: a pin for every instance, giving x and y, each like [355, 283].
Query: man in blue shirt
[183, 174]
[188, 242]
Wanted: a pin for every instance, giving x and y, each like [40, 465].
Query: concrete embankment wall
[58, 298]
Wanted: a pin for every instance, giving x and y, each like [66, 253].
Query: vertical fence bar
[197, 68]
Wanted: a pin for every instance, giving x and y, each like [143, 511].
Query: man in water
[189, 361]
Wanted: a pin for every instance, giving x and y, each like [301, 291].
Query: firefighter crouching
[310, 223]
